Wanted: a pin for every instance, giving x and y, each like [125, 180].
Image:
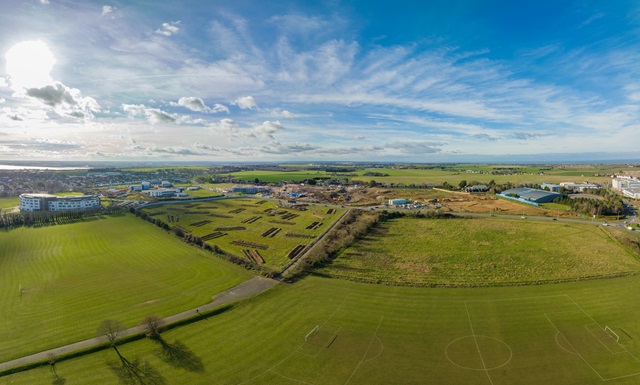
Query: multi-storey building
[47, 202]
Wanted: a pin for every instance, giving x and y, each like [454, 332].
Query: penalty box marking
[587, 324]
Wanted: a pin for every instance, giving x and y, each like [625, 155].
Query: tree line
[355, 225]
[46, 218]
[611, 204]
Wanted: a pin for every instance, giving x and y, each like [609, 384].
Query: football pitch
[472, 342]
[327, 331]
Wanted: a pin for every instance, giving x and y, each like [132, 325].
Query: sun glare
[29, 64]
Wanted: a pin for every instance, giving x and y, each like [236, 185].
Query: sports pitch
[326, 331]
[531, 340]
[59, 282]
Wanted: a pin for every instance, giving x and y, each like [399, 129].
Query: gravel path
[255, 285]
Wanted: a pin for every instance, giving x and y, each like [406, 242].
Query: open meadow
[258, 231]
[59, 282]
[9, 202]
[327, 331]
[472, 252]
[451, 174]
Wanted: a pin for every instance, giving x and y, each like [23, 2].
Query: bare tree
[57, 380]
[154, 325]
[129, 372]
[111, 329]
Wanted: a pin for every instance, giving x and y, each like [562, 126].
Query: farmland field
[258, 231]
[59, 282]
[326, 331]
[482, 252]
[452, 174]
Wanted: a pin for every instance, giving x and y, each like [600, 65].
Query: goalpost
[611, 333]
[315, 329]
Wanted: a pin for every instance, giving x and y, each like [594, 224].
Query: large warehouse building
[530, 195]
[48, 202]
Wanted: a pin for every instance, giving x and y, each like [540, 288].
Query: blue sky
[409, 81]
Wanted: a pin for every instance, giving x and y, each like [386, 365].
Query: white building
[579, 186]
[48, 202]
[161, 192]
[551, 186]
[394, 202]
[629, 187]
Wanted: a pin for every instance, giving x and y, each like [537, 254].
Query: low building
[477, 188]
[530, 195]
[114, 192]
[550, 187]
[629, 187]
[579, 186]
[161, 192]
[48, 202]
[395, 202]
[250, 190]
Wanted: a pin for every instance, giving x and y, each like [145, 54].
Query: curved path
[254, 286]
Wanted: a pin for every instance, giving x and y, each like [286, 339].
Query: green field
[452, 174]
[371, 334]
[247, 220]
[482, 252]
[59, 282]
[9, 202]
[332, 331]
[278, 176]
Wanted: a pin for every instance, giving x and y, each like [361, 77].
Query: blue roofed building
[530, 195]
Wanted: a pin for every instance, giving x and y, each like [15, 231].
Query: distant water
[12, 167]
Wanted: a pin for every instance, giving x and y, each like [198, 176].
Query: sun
[29, 64]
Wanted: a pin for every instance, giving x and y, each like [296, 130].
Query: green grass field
[482, 252]
[372, 334]
[59, 282]
[246, 220]
[9, 202]
[453, 174]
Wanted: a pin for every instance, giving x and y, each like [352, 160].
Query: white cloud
[268, 128]
[134, 109]
[226, 126]
[416, 148]
[168, 29]
[107, 9]
[193, 103]
[245, 102]
[44, 2]
[219, 108]
[173, 150]
[66, 101]
[158, 116]
[197, 104]
[287, 148]
[154, 115]
[283, 114]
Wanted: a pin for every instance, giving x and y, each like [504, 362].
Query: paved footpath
[255, 285]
